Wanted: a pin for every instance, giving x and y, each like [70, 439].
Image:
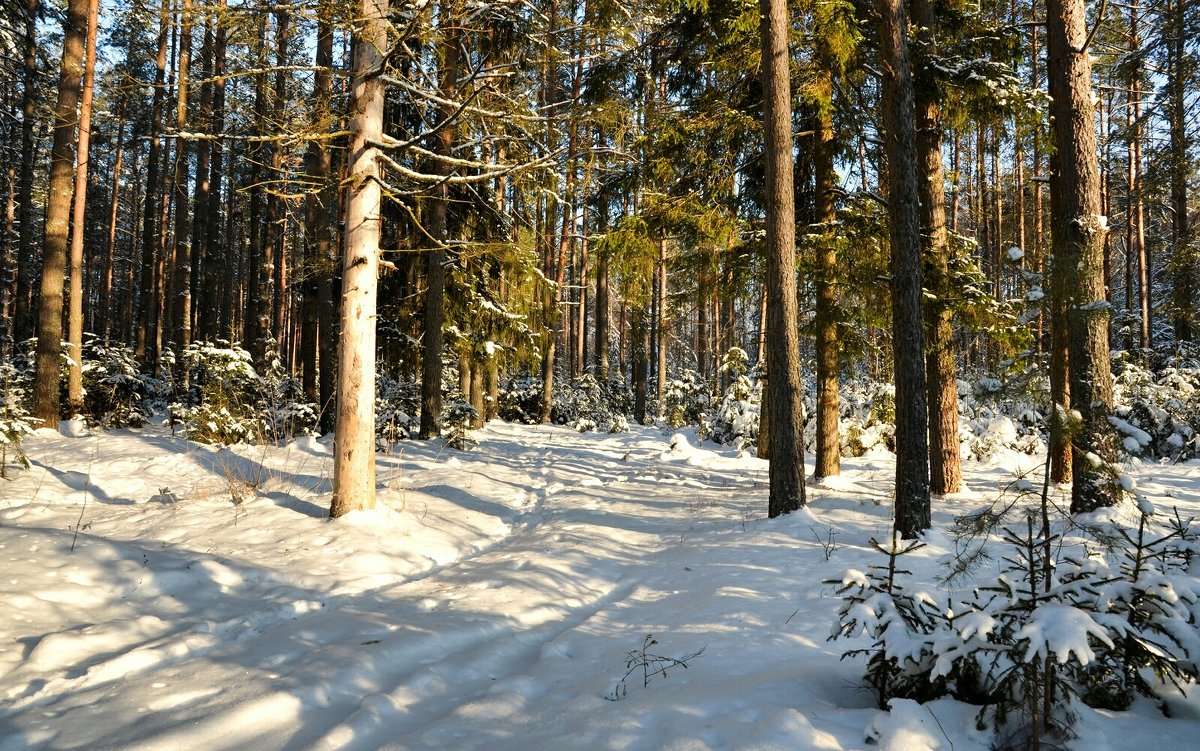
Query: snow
[162, 594]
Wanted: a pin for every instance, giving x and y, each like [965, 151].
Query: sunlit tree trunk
[79, 206]
[828, 448]
[58, 217]
[1078, 239]
[945, 472]
[354, 447]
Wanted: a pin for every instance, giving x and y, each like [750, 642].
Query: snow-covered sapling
[457, 419]
[15, 422]
[899, 623]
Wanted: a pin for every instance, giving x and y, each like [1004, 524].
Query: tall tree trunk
[945, 472]
[662, 331]
[439, 210]
[202, 194]
[912, 438]
[1184, 257]
[75, 299]
[145, 346]
[110, 246]
[829, 447]
[783, 340]
[639, 351]
[317, 204]
[217, 255]
[603, 305]
[354, 452]
[182, 271]
[258, 299]
[275, 247]
[23, 305]
[58, 217]
[1078, 237]
[6, 262]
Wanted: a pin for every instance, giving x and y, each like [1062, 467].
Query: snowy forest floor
[160, 594]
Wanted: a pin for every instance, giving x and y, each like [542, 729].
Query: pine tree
[354, 454]
[787, 492]
[58, 217]
[912, 515]
[1078, 240]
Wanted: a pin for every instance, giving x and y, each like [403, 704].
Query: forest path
[190, 639]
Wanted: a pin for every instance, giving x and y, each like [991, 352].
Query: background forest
[922, 240]
[575, 215]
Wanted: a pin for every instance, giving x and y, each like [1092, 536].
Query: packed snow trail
[493, 601]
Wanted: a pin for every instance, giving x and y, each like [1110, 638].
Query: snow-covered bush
[685, 400]
[219, 405]
[15, 421]
[228, 402]
[1158, 415]
[586, 404]
[115, 392]
[1094, 611]
[397, 410]
[1150, 605]
[735, 420]
[521, 400]
[868, 418]
[999, 416]
[284, 408]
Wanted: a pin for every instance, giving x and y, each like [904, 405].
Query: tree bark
[316, 204]
[145, 347]
[217, 255]
[944, 464]
[258, 300]
[912, 514]
[110, 245]
[1184, 257]
[75, 299]
[275, 247]
[23, 305]
[786, 453]
[1078, 239]
[58, 217]
[182, 271]
[438, 226]
[354, 453]
[828, 450]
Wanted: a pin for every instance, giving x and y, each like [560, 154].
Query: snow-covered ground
[159, 594]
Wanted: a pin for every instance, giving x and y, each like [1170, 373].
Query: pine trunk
[354, 452]
[23, 324]
[58, 217]
[786, 453]
[78, 211]
[945, 471]
[828, 449]
[145, 346]
[1078, 240]
[912, 515]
